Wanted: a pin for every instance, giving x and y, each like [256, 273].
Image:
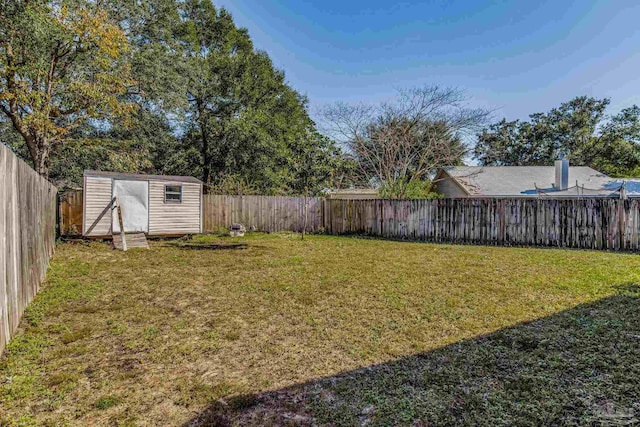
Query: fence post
[621, 224]
[381, 201]
[606, 223]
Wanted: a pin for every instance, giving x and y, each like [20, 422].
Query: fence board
[27, 238]
[608, 224]
[581, 223]
[70, 213]
[263, 213]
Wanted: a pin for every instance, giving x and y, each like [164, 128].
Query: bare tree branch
[406, 139]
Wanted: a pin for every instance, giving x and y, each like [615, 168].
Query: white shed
[157, 205]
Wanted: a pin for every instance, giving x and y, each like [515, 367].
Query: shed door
[134, 199]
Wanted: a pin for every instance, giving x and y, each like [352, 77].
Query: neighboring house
[559, 181]
[157, 205]
[355, 194]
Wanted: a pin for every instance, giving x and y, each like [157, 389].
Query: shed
[157, 205]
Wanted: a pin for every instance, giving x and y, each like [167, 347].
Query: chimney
[562, 174]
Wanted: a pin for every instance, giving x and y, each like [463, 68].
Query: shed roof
[524, 181]
[141, 177]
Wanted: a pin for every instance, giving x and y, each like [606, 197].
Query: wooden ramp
[132, 240]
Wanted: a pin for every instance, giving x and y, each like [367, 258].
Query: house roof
[141, 177]
[526, 181]
[355, 191]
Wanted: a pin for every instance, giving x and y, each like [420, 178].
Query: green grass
[269, 329]
[107, 402]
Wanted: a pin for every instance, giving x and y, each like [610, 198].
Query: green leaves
[578, 130]
[251, 129]
[315, 159]
[162, 86]
[61, 63]
[416, 189]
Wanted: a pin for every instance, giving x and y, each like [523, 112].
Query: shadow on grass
[578, 367]
[204, 246]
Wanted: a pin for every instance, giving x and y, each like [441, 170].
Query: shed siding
[174, 218]
[449, 189]
[97, 198]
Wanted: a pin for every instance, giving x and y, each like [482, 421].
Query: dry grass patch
[155, 337]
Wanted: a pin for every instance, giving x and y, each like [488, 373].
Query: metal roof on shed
[141, 177]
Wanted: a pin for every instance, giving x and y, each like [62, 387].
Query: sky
[515, 57]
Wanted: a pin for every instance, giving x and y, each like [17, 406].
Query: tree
[241, 116]
[578, 130]
[61, 63]
[399, 143]
[315, 158]
[161, 86]
[616, 150]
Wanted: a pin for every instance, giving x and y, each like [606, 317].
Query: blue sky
[518, 57]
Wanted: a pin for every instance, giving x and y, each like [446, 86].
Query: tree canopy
[239, 114]
[398, 145]
[61, 63]
[578, 130]
[163, 86]
[176, 87]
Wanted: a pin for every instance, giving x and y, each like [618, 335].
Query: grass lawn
[269, 329]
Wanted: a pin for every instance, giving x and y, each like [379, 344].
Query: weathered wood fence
[265, 213]
[27, 237]
[70, 213]
[588, 223]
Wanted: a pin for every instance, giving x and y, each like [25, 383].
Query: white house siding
[174, 218]
[97, 199]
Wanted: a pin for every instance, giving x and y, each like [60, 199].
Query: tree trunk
[38, 145]
[39, 150]
[41, 160]
[206, 175]
[206, 159]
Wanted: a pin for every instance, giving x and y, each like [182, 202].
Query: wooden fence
[589, 223]
[27, 237]
[70, 213]
[264, 213]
